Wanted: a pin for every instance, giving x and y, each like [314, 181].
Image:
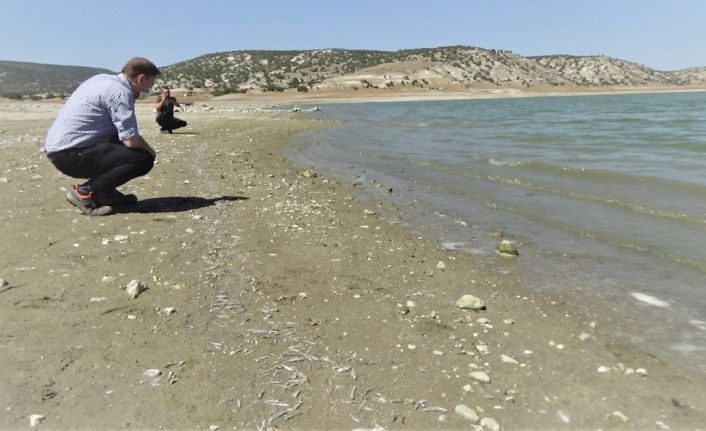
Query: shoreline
[295, 306]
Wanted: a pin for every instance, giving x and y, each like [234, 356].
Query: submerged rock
[507, 247]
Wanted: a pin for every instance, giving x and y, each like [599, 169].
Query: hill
[18, 79]
[456, 68]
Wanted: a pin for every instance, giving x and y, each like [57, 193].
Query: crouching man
[95, 137]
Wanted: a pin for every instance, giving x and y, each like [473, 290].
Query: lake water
[605, 195]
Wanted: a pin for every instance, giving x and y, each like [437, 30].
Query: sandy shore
[276, 298]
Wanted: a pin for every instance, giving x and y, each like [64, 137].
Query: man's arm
[139, 143]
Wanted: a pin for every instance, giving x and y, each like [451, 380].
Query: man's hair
[139, 66]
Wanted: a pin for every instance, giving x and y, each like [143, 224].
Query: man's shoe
[86, 203]
[115, 198]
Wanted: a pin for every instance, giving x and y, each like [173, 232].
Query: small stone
[470, 302]
[4, 282]
[368, 212]
[107, 279]
[508, 360]
[135, 288]
[618, 414]
[490, 424]
[603, 369]
[120, 238]
[441, 265]
[214, 428]
[34, 420]
[467, 413]
[507, 247]
[641, 371]
[97, 299]
[481, 376]
[152, 372]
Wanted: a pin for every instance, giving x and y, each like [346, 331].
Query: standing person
[165, 112]
[95, 137]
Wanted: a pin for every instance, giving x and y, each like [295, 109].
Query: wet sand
[280, 298]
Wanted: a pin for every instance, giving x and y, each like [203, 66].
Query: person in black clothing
[165, 112]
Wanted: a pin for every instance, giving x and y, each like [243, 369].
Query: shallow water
[605, 195]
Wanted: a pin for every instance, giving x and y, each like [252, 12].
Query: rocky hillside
[456, 67]
[40, 81]
[444, 68]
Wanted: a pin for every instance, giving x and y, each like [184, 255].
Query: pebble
[441, 265]
[167, 311]
[618, 414]
[135, 288]
[507, 247]
[481, 376]
[152, 372]
[35, 419]
[508, 360]
[490, 424]
[467, 413]
[470, 302]
[603, 369]
[4, 282]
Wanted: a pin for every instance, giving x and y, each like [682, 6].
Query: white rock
[4, 282]
[4, 180]
[563, 416]
[120, 238]
[168, 311]
[508, 360]
[107, 279]
[618, 414]
[490, 424]
[34, 420]
[470, 302]
[467, 413]
[97, 299]
[152, 372]
[603, 369]
[641, 371]
[482, 349]
[649, 299]
[481, 376]
[441, 265]
[134, 288]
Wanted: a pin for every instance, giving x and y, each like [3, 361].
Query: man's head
[141, 73]
[165, 93]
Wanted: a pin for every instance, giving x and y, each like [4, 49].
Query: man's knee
[144, 162]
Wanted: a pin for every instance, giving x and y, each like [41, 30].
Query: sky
[661, 34]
